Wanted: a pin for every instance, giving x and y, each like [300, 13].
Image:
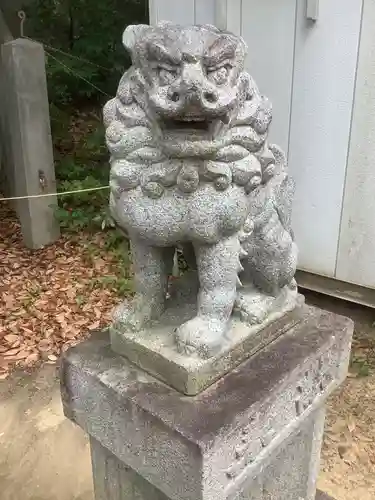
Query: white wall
[325, 65]
[180, 12]
[183, 11]
[356, 259]
[268, 26]
[205, 11]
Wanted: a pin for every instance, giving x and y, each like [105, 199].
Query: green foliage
[84, 167]
[360, 367]
[86, 218]
[118, 246]
[86, 29]
[123, 285]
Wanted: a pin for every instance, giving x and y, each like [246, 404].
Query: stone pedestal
[254, 434]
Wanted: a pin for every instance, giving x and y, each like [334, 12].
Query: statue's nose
[194, 97]
[194, 89]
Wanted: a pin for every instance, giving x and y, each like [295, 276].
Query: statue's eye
[167, 76]
[218, 75]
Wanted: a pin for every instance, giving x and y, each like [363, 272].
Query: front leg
[152, 265]
[218, 267]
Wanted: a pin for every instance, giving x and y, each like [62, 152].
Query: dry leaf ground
[48, 302]
[50, 298]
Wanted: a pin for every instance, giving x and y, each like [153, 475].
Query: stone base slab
[254, 434]
[154, 349]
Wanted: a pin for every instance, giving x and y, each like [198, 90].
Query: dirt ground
[45, 457]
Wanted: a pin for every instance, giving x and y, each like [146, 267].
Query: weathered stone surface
[191, 167]
[113, 480]
[154, 349]
[254, 434]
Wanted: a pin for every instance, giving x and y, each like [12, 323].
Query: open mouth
[188, 123]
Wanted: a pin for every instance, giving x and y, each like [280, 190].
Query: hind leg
[269, 287]
[217, 268]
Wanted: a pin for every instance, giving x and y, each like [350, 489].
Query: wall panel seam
[340, 232]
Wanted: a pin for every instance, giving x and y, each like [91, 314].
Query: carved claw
[252, 318]
[186, 349]
[254, 307]
[201, 336]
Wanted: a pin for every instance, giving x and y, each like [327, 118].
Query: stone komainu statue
[191, 167]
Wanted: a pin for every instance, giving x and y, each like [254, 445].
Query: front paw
[201, 336]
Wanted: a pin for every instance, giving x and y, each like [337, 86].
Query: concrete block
[29, 152]
[255, 434]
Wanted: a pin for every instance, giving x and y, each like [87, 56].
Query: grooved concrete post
[27, 124]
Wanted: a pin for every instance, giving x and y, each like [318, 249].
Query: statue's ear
[133, 34]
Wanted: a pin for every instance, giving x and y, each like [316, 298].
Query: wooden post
[27, 122]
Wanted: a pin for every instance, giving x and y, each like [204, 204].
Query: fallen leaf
[22, 354]
[351, 425]
[11, 338]
[94, 325]
[11, 352]
[60, 318]
[32, 358]
[9, 301]
[44, 348]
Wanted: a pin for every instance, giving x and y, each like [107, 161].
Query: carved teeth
[192, 119]
[243, 253]
[239, 282]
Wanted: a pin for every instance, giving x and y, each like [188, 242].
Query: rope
[78, 76]
[50, 47]
[58, 194]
